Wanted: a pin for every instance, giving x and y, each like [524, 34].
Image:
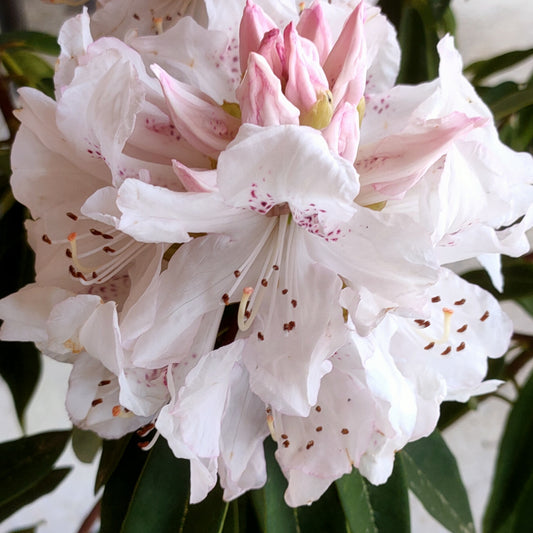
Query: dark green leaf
[522, 515]
[40, 42]
[28, 69]
[275, 516]
[353, 493]
[85, 444]
[518, 277]
[434, 478]
[491, 95]
[482, 69]
[326, 514]
[514, 466]
[439, 8]
[25, 461]
[45, 485]
[170, 511]
[120, 486]
[112, 451]
[20, 366]
[390, 503]
[412, 37]
[512, 103]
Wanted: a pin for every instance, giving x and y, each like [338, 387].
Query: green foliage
[483, 69]
[511, 498]
[434, 478]
[26, 469]
[85, 444]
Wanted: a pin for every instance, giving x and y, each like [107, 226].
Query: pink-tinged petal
[26, 312]
[347, 60]
[65, 323]
[265, 167]
[315, 450]
[204, 124]
[118, 18]
[198, 276]
[260, 96]
[305, 78]
[98, 109]
[242, 461]
[369, 255]
[93, 400]
[342, 134]
[100, 336]
[156, 139]
[383, 52]
[464, 326]
[314, 26]
[254, 24]
[195, 180]
[74, 39]
[391, 166]
[143, 391]
[295, 331]
[155, 214]
[206, 59]
[273, 50]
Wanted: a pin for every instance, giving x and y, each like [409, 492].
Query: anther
[345, 431]
[46, 239]
[429, 346]
[310, 444]
[462, 329]
[459, 302]
[284, 436]
[294, 303]
[447, 351]
[461, 347]
[435, 299]
[96, 402]
[104, 382]
[72, 216]
[319, 429]
[485, 316]
[286, 443]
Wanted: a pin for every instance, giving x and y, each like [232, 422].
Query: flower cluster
[240, 226]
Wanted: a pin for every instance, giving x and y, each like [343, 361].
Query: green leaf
[31, 69]
[26, 461]
[514, 466]
[512, 103]
[375, 509]
[390, 503]
[522, 515]
[326, 514]
[20, 366]
[121, 485]
[518, 276]
[44, 486]
[482, 69]
[275, 516]
[168, 477]
[355, 500]
[85, 444]
[40, 42]
[112, 452]
[434, 478]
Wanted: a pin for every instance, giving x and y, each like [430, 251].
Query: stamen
[121, 412]
[243, 321]
[270, 424]
[148, 445]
